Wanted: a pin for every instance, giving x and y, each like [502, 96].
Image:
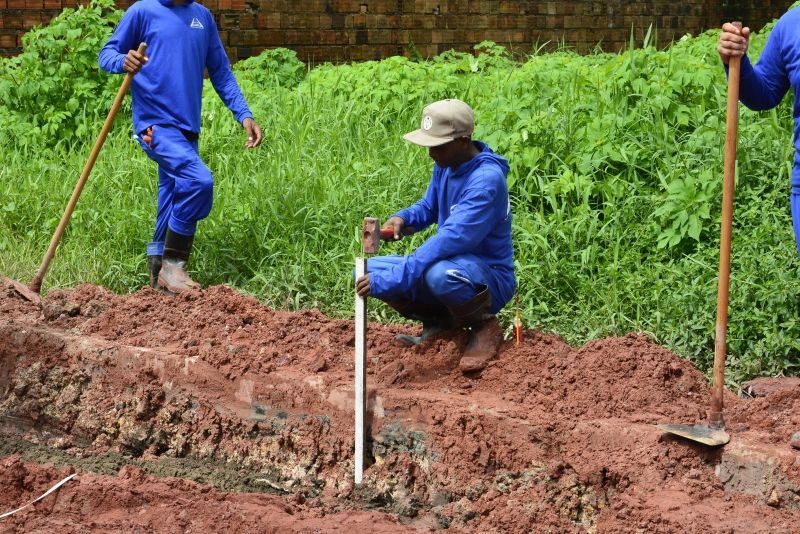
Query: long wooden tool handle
[36, 283]
[715, 419]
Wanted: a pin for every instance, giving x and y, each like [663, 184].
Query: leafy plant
[55, 89]
[687, 208]
[276, 66]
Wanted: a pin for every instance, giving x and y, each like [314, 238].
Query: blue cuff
[121, 64]
[745, 68]
[403, 214]
[155, 248]
[244, 115]
[375, 289]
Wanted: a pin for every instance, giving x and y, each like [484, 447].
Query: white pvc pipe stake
[361, 373]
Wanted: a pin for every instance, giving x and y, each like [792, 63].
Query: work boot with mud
[432, 324]
[154, 266]
[483, 346]
[486, 334]
[431, 329]
[173, 277]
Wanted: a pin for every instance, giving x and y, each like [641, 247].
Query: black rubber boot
[172, 276]
[431, 328]
[154, 266]
[433, 323]
[474, 311]
[485, 332]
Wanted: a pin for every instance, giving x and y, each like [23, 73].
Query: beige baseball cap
[442, 122]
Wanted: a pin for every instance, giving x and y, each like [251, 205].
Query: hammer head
[371, 235]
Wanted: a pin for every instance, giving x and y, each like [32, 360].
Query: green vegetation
[616, 183]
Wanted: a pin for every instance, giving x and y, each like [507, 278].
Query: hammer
[371, 236]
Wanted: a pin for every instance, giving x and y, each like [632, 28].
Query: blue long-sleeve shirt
[764, 85]
[471, 207]
[182, 41]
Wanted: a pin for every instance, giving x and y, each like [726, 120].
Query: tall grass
[616, 166]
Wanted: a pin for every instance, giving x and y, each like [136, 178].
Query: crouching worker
[463, 275]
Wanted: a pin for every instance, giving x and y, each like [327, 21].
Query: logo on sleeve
[196, 24]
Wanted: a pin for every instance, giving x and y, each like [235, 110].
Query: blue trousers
[447, 283]
[185, 184]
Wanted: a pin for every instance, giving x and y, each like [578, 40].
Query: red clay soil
[213, 386]
[135, 502]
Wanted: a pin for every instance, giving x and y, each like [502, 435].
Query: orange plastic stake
[517, 324]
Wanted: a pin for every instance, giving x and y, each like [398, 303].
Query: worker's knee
[204, 183]
[205, 198]
[436, 278]
[444, 281]
[196, 186]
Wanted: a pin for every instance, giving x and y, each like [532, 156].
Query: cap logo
[427, 122]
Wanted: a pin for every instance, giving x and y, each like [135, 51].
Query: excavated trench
[215, 388]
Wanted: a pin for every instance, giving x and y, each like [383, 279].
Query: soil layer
[210, 412]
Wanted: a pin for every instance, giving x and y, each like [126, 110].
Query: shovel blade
[699, 433]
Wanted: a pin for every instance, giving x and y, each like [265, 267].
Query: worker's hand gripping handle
[387, 234]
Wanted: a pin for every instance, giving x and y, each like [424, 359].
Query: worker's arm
[222, 78]
[123, 41]
[481, 206]
[764, 85]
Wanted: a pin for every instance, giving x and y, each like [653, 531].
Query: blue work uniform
[471, 249]
[182, 41]
[764, 85]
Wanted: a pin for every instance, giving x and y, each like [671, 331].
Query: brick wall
[353, 30]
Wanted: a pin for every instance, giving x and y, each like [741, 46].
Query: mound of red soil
[548, 438]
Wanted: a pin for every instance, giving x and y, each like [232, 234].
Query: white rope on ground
[51, 490]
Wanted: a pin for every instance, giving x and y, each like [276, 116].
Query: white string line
[51, 490]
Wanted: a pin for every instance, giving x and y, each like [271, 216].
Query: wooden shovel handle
[715, 419]
[36, 283]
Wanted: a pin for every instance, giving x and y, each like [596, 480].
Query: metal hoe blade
[700, 433]
[23, 290]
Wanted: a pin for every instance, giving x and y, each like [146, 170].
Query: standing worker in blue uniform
[464, 274]
[763, 85]
[183, 41]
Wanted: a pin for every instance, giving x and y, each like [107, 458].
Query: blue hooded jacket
[182, 41]
[472, 209]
